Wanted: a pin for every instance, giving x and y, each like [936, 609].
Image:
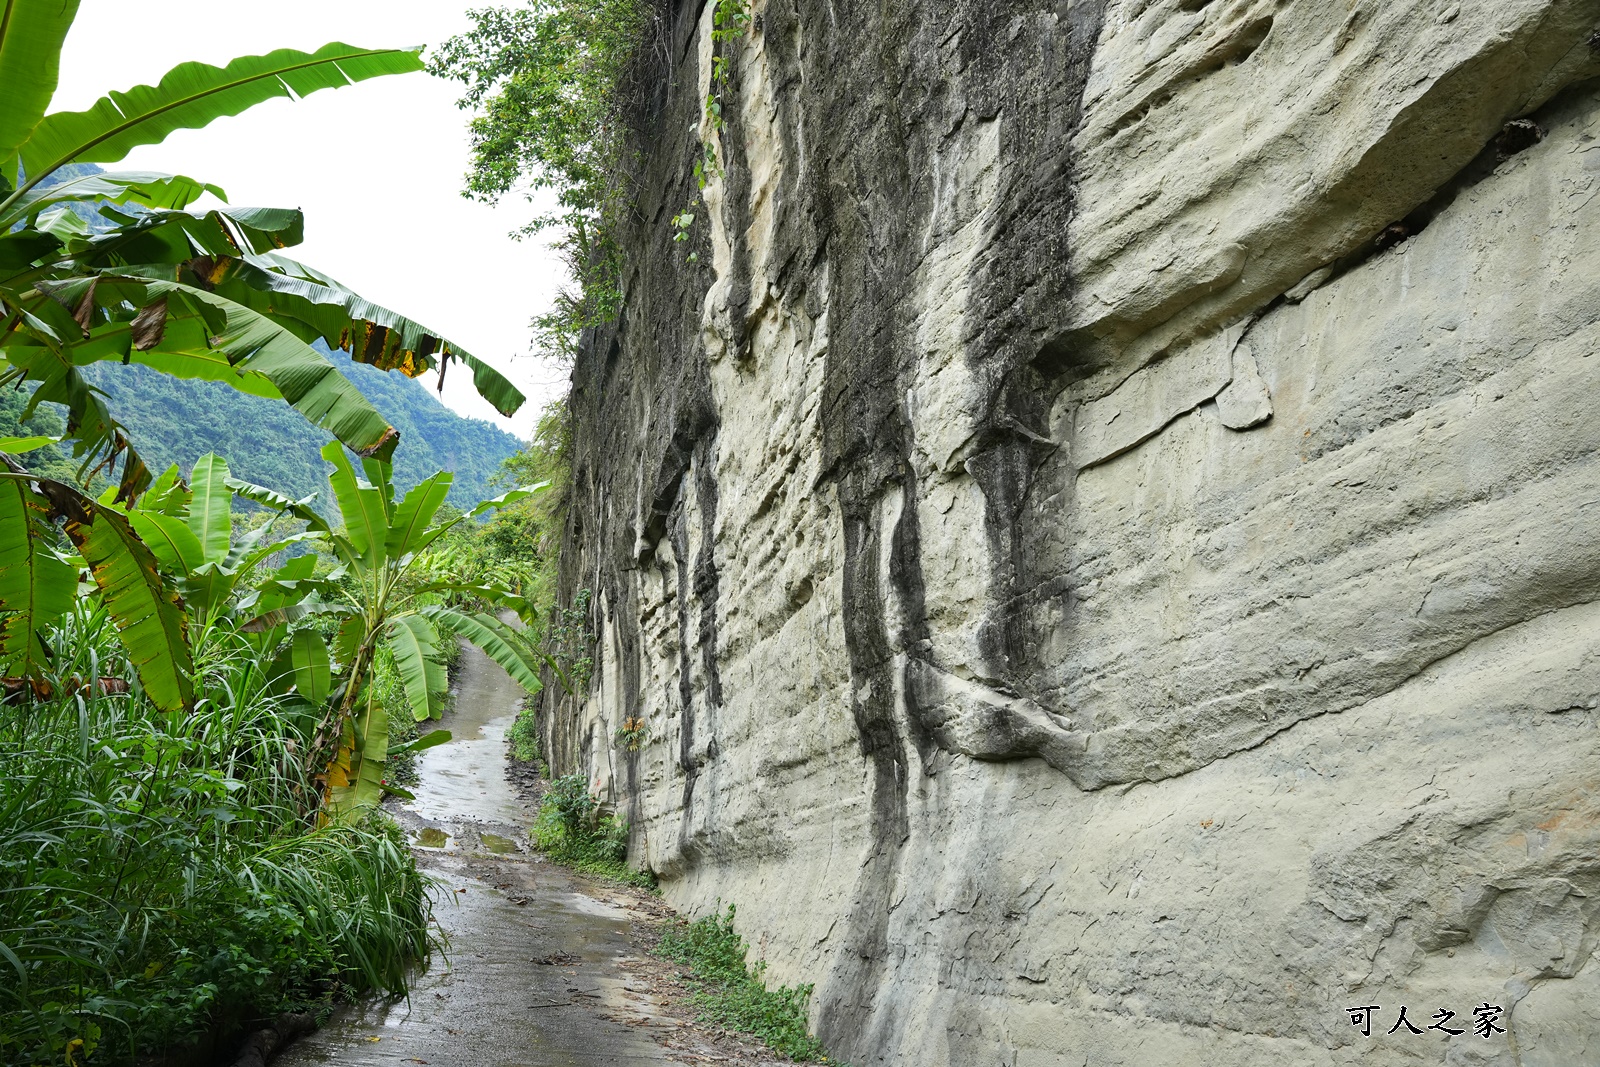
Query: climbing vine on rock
[730, 20]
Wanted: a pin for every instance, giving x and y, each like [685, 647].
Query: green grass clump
[569, 832]
[733, 995]
[525, 734]
[159, 880]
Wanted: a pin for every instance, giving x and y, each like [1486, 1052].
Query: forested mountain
[268, 442]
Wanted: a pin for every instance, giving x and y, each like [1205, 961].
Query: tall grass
[159, 880]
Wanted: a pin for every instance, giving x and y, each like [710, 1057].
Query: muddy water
[537, 970]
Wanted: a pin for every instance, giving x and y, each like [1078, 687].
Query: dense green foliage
[158, 880]
[195, 734]
[205, 295]
[162, 876]
[734, 996]
[175, 420]
[572, 831]
[53, 460]
[520, 545]
[551, 83]
[524, 734]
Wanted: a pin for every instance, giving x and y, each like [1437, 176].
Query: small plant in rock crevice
[633, 734]
[730, 20]
[570, 642]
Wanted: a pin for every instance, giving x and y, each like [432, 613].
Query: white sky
[377, 167]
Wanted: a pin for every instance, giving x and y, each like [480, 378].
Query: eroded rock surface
[1103, 538]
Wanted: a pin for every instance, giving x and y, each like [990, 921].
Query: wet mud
[542, 967]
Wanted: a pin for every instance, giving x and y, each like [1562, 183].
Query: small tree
[388, 598]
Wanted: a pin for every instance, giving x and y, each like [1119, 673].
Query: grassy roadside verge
[733, 995]
[570, 828]
[161, 891]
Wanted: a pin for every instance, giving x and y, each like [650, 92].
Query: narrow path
[543, 969]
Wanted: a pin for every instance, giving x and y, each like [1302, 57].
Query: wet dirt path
[543, 968]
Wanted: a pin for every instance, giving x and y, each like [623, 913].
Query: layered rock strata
[1103, 538]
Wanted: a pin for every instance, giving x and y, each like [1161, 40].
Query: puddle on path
[500, 846]
[487, 1001]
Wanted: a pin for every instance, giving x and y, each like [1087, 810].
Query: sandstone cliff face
[1104, 540]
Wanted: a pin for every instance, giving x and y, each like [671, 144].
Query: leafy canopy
[195, 294]
[551, 83]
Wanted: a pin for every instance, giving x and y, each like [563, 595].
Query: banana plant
[39, 583]
[189, 529]
[392, 602]
[203, 295]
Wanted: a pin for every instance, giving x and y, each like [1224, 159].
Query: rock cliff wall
[1104, 539]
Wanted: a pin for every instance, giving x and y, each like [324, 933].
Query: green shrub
[732, 995]
[525, 734]
[569, 798]
[569, 832]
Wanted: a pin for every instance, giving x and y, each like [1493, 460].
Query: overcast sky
[377, 167]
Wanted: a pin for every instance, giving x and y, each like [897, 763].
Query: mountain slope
[266, 441]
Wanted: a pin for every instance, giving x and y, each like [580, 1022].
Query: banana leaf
[148, 616]
[415, 511]
[251, 342]
[271, 498]
[210, 515]
[366, 520]
[145, 188]
[31, 35]
[432, 739]
[192, 95]
[496, 640]
[415, 645]
[36, 586]
[174, 545]
[313, 675]
[17, 446]
[372, 334]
